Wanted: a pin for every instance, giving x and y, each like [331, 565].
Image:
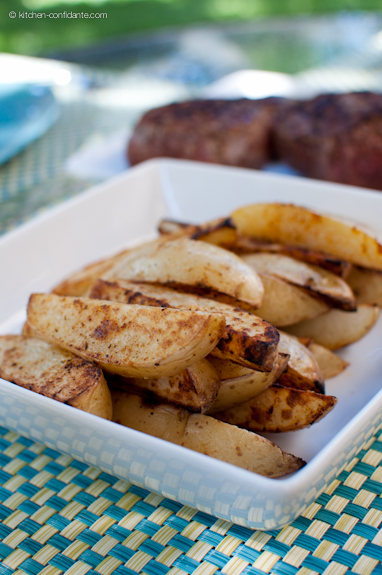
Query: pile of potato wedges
[210, 334]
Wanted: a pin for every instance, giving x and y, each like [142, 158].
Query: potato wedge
[303, 371]
[239, 383]
[367, 285]
[329, 363]
[203, 434]
[134, 341]
[55, 373]
[295, 225]
[247, 339]
[79, 283]
[195, 388]
[279, 409]
[337, 328]
[191, 263]
[283, 302]
[319, 282]
[219, 232]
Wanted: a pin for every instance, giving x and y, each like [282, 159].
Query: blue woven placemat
[62, 516]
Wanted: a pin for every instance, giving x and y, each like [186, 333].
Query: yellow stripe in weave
[160, 515]
[103, 524]
[336, 569]
[15, 538]
[306, 571]
[15, 482]
[138, 561]
[46, 554]
[164, 535]
[365, 565]
[346, 523]
[258, 539]
[75, 549]
[104, 545]
[92, 473]
[337, 504]
[199, 550]
[154, 499]
[377, 474]
[127, 501]
[169, 555]
[44, 533]
[205, 569]
[372, 457]
[317, 529]
[355, 480]
[122, 485]
[43, 514]
[41, 478]
[15, 518]
[373, 517]
[235, 566]
[131, 520]
[176, 571]
[107, 566]
[296, 556]
[355, 544]
[50, 570]
[42, 496]
[79, 568]
[13, 450]
[100, 505]
[12, 436]
[288, 535]
[64, 460]
[186, 513]
[332, 486]
[14, 466]
[14, 500]
[266, 561]
[97, 487]
[16, 558]
[311, 511]
[221, 526]
[67, 475]
[364, 498]
[40, 462]
[228, 545]
[69, 491]
[135, 539]
[72, 530]
[325, 550]
[71, 510]
[193, 530]
[37, 448]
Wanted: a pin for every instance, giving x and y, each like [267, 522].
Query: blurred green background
[43, 36]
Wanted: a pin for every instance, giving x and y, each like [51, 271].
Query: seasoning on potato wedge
[45, 369]
[130, 340]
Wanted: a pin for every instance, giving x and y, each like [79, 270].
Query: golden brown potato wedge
[55, 373]
[134, 341]
[188, 262]
[195, 388]
[319, 282]
[303, 371]
[246, 339]
[220, 232]
[329, 363]
[203, 434]
[283, 303]
[238, 384]
[367, 285]
[295, 225]
[279, 409]
[337, 328]
[79, 283]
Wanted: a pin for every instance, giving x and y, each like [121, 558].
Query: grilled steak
[335, 137]
[233, 132]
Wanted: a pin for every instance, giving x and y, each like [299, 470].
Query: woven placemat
[59, 515]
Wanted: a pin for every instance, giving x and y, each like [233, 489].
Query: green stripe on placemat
[58, 515]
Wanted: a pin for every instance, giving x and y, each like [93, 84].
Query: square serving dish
[101, 221]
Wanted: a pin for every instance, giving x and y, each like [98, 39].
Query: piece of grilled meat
[335, 137]
[232, 132]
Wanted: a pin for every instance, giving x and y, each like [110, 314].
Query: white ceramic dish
[99, 222]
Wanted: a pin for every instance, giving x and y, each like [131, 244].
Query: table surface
[58, 515]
